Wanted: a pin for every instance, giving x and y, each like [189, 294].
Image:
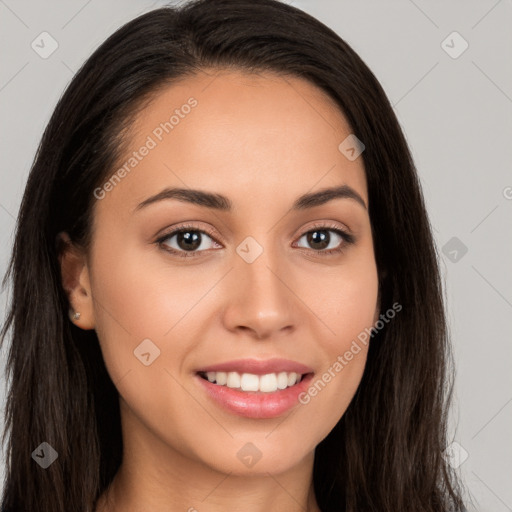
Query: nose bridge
[259, 299]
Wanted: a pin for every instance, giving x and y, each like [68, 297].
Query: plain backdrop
[447, 69]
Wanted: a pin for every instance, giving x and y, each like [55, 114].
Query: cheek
[345, 300]
[346, 307]
[139, 296]
[130, 305]
[146, 311]
[139, 311]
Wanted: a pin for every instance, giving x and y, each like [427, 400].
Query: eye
[189, 241]
[186, 241]
[321, 239]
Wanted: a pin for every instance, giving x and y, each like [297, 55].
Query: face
[242, 284]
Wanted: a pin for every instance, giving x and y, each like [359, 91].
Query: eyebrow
[222, 203]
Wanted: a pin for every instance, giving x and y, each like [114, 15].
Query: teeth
[267, 383]
[249, 382]
[221, 378]
[292, 378]
[233, 380]
[282, 380]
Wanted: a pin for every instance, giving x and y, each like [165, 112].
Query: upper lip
[258, 366]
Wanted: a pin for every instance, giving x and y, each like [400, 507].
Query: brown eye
[187, 241]
[323, 238]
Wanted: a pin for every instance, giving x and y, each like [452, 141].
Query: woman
[226, 291]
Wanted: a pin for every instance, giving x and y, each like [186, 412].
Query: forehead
[230, 131]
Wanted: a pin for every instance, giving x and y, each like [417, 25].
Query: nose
[260, 301]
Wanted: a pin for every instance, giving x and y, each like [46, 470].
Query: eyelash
[348, 239]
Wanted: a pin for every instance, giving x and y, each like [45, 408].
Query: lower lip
[256, 404]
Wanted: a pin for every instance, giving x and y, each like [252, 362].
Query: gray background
[457, 116]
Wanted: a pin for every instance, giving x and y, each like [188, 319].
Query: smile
[267, 383]
[254, 396]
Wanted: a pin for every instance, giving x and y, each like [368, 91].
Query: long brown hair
[385, 453]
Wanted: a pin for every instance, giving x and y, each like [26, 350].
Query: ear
[75, 281]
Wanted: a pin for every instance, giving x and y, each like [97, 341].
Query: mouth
[253, 383]
[255, 396]
[255, 388]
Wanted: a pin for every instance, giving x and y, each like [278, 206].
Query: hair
[386, 452]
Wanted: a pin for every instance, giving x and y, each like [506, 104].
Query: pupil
[188, 241]
[319, 238]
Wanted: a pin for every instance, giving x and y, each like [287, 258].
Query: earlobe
[75, 282]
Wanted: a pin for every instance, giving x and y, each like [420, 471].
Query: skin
[262, 141]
